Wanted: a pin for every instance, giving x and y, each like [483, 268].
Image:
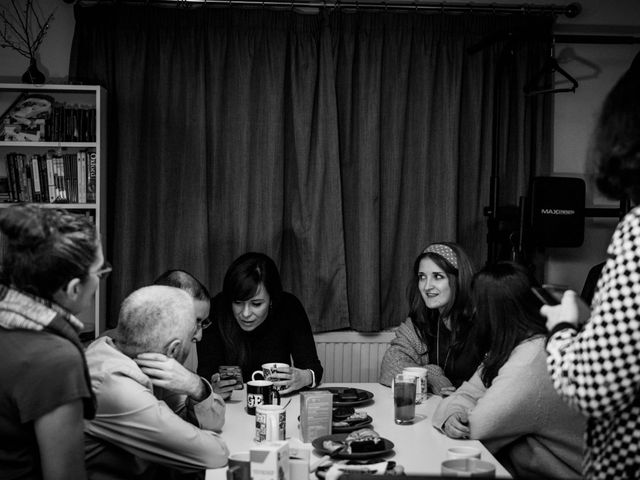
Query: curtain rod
[571, 10]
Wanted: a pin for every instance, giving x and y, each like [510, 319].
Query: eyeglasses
[104, 271]
[204, 323]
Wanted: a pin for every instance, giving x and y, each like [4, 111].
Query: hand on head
[169, 374]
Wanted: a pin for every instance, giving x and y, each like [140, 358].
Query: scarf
[22, 311]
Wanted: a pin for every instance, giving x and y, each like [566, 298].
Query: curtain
[338, 143]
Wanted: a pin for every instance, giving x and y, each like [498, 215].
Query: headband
[445, 252]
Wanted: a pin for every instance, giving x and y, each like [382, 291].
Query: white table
[419, 447]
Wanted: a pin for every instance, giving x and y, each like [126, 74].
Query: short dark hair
[241, 282]
[246, 273]
[185, 281]
[46, 248]
[617, 138]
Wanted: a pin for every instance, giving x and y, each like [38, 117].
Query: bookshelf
[66, 123]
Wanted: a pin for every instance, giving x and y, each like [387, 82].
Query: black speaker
[557, 211]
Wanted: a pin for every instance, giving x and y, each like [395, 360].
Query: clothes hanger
[550, 67]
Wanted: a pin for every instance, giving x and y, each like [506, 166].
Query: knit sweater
[520, 418]
[408, 350]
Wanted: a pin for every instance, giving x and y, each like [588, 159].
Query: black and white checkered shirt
[597, 370]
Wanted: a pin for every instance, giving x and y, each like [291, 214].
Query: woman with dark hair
[509, 403]
[256, 322]
[435, 334]
[50, 270]
[594, 356]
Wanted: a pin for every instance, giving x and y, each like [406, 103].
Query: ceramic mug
[467, 467]
[261, 392]
[271, 423]
[268, 369]
[239, 466]
[421, 386]
[463, 452]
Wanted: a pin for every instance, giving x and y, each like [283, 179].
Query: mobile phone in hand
[545, 296]
[231, 372]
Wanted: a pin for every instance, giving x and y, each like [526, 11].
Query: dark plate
[363, 396]
[339, 437]
[353, 426]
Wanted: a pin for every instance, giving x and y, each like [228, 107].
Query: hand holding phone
[545, 296]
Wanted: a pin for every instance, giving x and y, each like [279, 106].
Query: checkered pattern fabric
[597, 370]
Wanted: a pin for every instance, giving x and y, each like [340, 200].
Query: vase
[33, 75]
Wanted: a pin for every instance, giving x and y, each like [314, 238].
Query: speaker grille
[557, 211]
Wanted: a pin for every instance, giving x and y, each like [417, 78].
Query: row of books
[39, 118]
[52, 177]
[70, 123]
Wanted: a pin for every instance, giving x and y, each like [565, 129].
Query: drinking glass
[404, 398]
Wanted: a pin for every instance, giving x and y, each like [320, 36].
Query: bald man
[155, 417]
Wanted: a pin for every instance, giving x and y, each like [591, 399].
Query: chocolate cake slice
[363, 441]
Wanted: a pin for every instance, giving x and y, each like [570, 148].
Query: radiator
[351, 356]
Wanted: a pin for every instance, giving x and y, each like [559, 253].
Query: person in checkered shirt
[594, 354]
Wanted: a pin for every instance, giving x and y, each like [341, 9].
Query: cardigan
[597, 370]
[408, 350]
[520, 418]
[284, 336]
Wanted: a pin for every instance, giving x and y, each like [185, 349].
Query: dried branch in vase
[23, 27]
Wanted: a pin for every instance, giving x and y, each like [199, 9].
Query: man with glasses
[201, 302]
[155, 418]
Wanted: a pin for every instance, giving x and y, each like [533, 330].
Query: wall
[595, 66]
[53, 56]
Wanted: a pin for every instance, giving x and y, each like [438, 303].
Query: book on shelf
[51, 178]
[82, 177]
[91, 177]
[34, 117]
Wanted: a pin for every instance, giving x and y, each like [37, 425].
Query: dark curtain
[338, 143]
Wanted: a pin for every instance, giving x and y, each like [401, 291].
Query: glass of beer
[404, 398]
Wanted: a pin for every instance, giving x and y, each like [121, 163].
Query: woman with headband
[435, 334]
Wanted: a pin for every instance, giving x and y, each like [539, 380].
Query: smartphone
[545, 296]
[229, 372]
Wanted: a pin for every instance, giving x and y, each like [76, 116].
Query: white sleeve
[131, 417]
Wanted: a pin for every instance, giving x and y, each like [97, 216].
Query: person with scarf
[51, 267]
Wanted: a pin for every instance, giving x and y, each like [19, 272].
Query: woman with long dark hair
[50, 270]
[509, 403]
[256, 322]
[440, 317]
